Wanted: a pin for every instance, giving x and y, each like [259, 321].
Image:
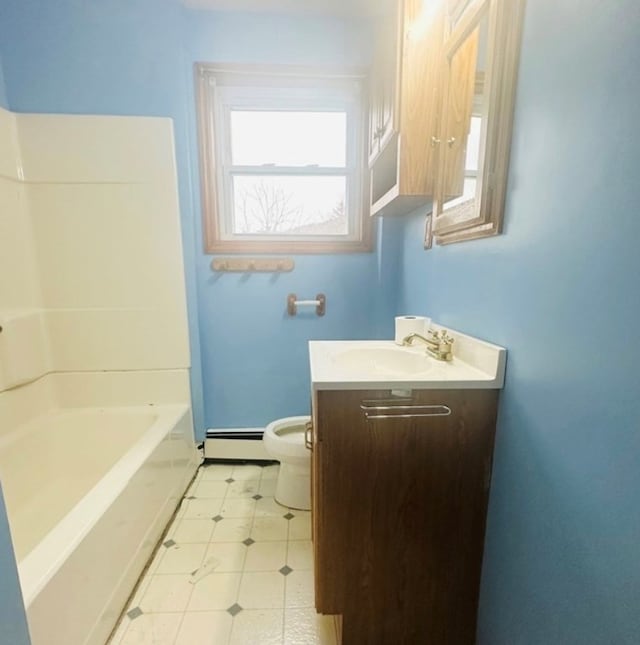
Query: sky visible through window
[302, 201]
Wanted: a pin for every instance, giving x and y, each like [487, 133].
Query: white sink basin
[383, 365]
[389, 361]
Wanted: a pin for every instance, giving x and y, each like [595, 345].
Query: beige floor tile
[217, 591]
[200, 509]
[232, 529]
[299, 590]
[244, 473]
[152, 629]
[205, 628]
[243, 489]
[267, 487]
[188, 530]
[238, 507]
[300, 555]
[258, 627]
[270, 472]
[266, 556]
[261, 590]
[215, 472]
[300, 526]
[305, 627]
[182, 558]
[269, 529]
[166, 593]
[268, 507]
[226, 556]
[216, 489]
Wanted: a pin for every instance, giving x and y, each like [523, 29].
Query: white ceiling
[357, 8]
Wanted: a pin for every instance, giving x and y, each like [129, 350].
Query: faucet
[438, 344]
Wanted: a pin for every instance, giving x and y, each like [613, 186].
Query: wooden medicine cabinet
[479, 69]
[441, 106]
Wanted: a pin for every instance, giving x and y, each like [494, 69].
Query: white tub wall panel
[115, 388]
[109, 559]
[20, 405]
[10, 158]
[24, 348]
[111, 339]
[19, 283]
[108, 245]
[97, 149]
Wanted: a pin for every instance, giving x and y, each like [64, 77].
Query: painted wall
[4, 101]
[121, 58]
[13, 621]
[560, 289]
[255, 366]
[136, 58]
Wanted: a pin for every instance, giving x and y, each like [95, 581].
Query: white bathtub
[88, 493]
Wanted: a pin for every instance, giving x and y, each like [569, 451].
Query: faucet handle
[445, 338]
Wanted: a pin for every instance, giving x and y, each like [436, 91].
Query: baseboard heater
[235, 443]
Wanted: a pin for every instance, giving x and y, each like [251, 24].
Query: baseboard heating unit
[235, 443]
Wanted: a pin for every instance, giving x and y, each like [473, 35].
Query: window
[281, 156]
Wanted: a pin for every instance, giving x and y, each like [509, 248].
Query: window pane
[288, 138]
[286, 205]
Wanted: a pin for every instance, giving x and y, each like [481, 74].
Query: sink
[389, 361]
[383, 365]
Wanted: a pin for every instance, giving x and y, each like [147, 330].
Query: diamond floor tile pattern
[235, 568]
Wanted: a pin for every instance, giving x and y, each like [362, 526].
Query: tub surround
[94, 361]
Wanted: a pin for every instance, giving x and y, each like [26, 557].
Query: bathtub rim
[39, 566]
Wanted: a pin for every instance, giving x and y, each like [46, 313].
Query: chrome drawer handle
[406, 411]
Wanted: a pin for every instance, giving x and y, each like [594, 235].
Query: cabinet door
[384, 83]
[480, 68]
[403, 514]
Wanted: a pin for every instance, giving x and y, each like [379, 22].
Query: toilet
[284, 440]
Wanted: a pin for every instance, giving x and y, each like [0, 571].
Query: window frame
[265, 86]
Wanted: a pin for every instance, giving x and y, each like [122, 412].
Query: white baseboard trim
[225, 448]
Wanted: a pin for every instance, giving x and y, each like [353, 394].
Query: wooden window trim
[212, 234]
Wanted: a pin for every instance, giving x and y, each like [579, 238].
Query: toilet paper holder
[320, 303]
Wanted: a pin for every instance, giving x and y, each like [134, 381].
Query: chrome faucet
[438, 344]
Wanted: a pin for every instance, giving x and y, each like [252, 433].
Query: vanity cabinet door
[402, 504]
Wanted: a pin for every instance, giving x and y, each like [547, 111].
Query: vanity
[402, 449]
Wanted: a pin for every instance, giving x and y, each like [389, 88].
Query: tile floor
[235, 568]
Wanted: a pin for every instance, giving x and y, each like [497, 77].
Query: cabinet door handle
[404, 411]
[434, 141]
[308, 434]
[451, 141]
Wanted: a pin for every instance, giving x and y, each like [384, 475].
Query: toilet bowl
[284, 440]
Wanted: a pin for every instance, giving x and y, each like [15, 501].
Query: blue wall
[113, 57]
[13, 622]
[118, 57]
[4, 101]
[254, 357]
[561, 290]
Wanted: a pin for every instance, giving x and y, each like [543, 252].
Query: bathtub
[88, 493]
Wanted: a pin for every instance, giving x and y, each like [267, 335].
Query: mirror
[480, 64]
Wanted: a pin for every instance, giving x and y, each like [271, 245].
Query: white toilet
[284, 441]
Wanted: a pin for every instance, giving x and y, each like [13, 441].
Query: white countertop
[476, 364]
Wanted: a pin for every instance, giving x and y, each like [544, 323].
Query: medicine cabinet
[479, 69]
[441, 106]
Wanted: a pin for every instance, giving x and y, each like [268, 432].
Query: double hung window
[281, 160]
